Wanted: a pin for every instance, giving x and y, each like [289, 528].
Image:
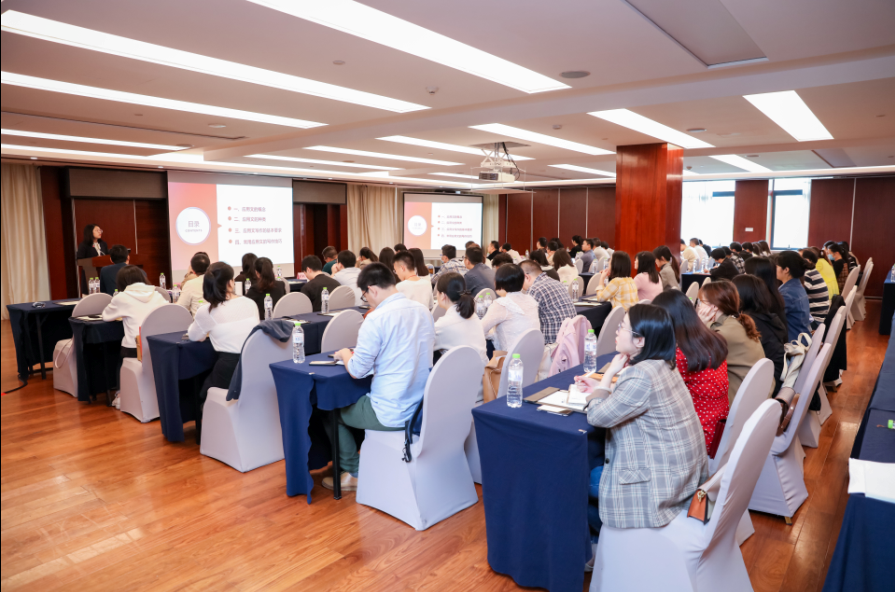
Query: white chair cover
[684, 266]
[809, 433]
[437, 313]
[341, 331]
[606, 339]
[693, 291]
[292, 304]
[65, 371]
[849, 304]
[245, 433]
[579, 265]
[592, 285]
[645, 301]
[707, 281]
[437, 483]
[687, 555]
[341, 297]
[485, 292]
[165, 294]
[859, 310]
[850, 281]
[580, 282]
[138, 397]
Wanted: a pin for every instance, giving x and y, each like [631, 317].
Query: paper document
[873, 479]
[588, 303]
[570, 399]
[70, 303]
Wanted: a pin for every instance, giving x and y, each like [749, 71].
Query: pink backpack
[569, 350]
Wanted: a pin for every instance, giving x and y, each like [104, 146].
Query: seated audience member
[500, 259]
[541, 245]
[565, 269]
[740, 252]
[823, 267]
[853, 262]
[725, 270]
[394, 345]
[576, 246]
[647, 414]
[669, 268]
[108, 275]
[766, 271]
[816, 288]
[688, 256]
[330, 260]
[541, 259]
[841, 267]
[514, 255]
[192, 291]
[266, 283]
[552, 248]
[601, 249]
[410, 283]
[248, 270]
[765, 248]
[469, 243]
[719, 308]
[553, 300]
[647, 280]
[419, 260]
[747, 251]
[513, 313]
[478, 275]
[701, 359]
[700, 251]
[459, 325]
[587, 254]
[366, 256]
[346, 272]
[190, 274]
[736, 256]
[790, 269]
[450, 263]
[621, 289]
[755, 301]
[387, 257]
[493, 250]
[317, 280]
[400, 247]
[225, 318]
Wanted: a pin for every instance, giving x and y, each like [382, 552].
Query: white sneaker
[117, 402]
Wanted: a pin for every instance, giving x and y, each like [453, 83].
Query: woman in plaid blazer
[655, 449]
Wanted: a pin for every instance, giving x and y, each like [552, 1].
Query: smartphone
[323, 363]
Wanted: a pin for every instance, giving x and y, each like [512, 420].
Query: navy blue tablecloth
[877, 443]
[862, 560]
[535, 475]
[596, 315]
[887, 314]
[689, 278]
[96, 353]
[300, 388]
[26, 322]
[314, 324]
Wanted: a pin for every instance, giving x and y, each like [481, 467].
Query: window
[792, 205]
[707, 211]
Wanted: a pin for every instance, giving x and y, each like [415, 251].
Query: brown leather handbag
[491, 379]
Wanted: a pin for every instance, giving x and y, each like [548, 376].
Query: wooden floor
[93, 500]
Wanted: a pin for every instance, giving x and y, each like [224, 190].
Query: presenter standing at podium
[93, 244]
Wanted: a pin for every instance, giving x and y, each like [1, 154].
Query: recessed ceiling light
[696, 130]
[789, 111]
[33, 158]
[557, 126]
[456, 175]
[645, 125]
[382, 156]
[347, 163]
[49, 30]
[689, 173]
[161, 167]
[741, 163]
[147, 101]
[580, 169]
[25, 134]
[440, 146]
[374, 25]
[575, 74]
[217, 125]
[521, 134]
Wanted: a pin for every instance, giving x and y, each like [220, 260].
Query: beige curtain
[490, 220]
[374, 219]
[24, 276]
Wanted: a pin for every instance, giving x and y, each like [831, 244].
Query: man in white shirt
[599, 251]
[700, 252]
[411, 285]
[395, 346]
[346, 273]
[191, 293]
[508, 249]
[688, 255]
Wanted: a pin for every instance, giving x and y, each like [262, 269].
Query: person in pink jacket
[647, 280]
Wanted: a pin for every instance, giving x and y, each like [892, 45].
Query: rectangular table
[96, 353]
[295, 285]
[689, 278]
[595, 315]
[535, 476]
[35, 332]
[888, 306]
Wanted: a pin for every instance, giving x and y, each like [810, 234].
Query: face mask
[830, 257]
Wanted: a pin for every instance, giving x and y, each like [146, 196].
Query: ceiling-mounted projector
[497, 175]
[499, 166]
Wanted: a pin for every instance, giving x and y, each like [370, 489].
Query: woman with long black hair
[459, 325]
[669, 268]
[265, 283]
[765, 270]
[92, 244]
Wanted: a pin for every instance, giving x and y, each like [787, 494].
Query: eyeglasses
[619, 329]
[363, 297]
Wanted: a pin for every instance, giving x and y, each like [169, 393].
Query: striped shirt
[818, 295]
[622, 291]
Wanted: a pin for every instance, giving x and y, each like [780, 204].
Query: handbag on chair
[491, 379]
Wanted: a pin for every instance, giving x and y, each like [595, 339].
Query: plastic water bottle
[116, 293]
[324, 301]
[575, 288]
[161, 281]
[175, 294]
[248, 285]
[590, 352]
[480, 308]
[279, 273]
[94, 286]
[268, 307]
[298, 344]
[514, 392]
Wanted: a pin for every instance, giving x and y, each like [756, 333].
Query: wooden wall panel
[115, 216]
[750, 210]
[572, 214]
[502, 222]
[153, 239]
[343, 227]
[831, 205]
[59, 234]
[601, 213]
[303, 229]
[545, 219]
[872, 232]
[519, 221]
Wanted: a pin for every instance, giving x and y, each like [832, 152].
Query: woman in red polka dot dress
[701, 361]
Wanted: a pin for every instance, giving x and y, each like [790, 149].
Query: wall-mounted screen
[432, 220]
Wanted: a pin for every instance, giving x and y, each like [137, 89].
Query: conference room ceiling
[839, 57]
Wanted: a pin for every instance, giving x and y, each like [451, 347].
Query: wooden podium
[90, 267]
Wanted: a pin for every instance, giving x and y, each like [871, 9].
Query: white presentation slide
[432, 221]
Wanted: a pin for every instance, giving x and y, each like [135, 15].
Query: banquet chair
[137, 396]
[341, 331]
[437, 312]
[781, 486]
[850, 285]
[693, 291]
[293, 304]
[245, 433]
[342, 297]
[436, 483]
[685, 554]
[684, 266]
[485, 292]
[859, 310]
[592, 285]
[579, 265]
[530, 348]
[165, 294]
[707, 281]
[65, 371]
[645, 301]
[580, 282]
[601, 265]
[809, 433]
[606, 339]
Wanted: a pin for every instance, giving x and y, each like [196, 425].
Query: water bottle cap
[516, 356]
[267, 294]
[590, 330]
[297, 324]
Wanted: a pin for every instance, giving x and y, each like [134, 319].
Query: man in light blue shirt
[394, 345]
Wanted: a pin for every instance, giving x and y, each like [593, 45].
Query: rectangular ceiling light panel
[742, 163]
[521, 134]
[48, 30]
[147, 101]
[382, 156]
[441, 146]
[580, 169]
[25, 134]
[644, 125]
[354, 165]
[379, 27]
[789, 111]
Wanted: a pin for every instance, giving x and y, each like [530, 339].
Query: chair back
[165, 294]
[258, 395]
[850, 281]
[832, 336]
[817, 341]
[740, 476]
[530, 348]
[91, 305]
[592, 285]
[866, 277]
[342, 297]
[783, 441]
[707, 281]
[693, 291]
[437, 312]
[485, 292]
[600, 265]
[606, 339]
[752, 392]
[164, 319]
[579, 265]
[341, 331]
[580, 282]
[294, 303]
[645, 301]
[448, 400]
[684, 266]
